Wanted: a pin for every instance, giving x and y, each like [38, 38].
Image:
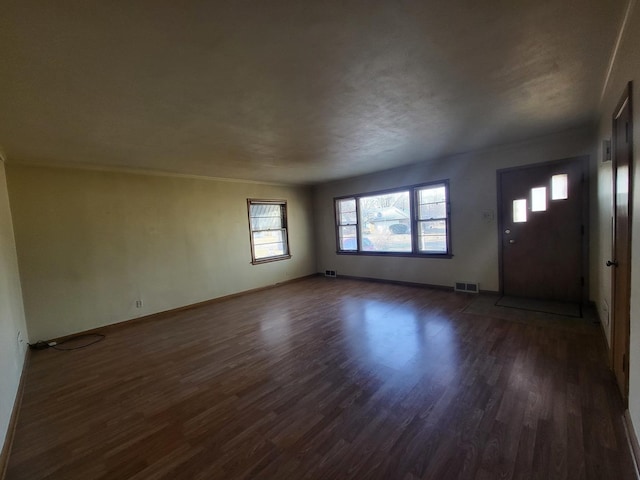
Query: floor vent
[330, 273]
[467, 287]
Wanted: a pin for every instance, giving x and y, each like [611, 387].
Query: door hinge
[582, 281]
[625, 364]
[582, 230]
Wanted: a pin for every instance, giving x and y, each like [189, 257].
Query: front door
[621, 276]
[542, 228]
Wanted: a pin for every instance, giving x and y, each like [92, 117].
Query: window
[410, 221]
[539, 199]
[432, 219]
[268, 227]
[560, 187]
[385, 222]
[347, 224]
[520, 210]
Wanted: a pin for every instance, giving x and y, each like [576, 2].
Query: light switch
[488, 216]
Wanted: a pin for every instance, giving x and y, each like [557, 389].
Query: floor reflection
[397, 335]
[275, 328]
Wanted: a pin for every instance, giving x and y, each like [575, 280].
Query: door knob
[611, 264]
[507, 231]
[512, 241]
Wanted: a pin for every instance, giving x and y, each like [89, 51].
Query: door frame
[626, 97]
[584, 264]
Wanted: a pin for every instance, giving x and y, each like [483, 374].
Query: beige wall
[472, 191]
[91, 243]
[12, 352]
[626, 68]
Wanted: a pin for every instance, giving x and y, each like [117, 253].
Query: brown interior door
[541, 221]
[621, 275]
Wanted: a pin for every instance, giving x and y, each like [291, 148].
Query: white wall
[12, 353]
[472, 191]
[626, 68]
[91, 243]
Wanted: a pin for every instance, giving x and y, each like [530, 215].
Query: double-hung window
[405, 221]
[268, 227]
[347, 216]
[432, 219]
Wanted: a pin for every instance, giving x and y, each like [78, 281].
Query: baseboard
[154, 316]
[607, 347]
[13, 421]
[406, 284]
[394, 282]
[633, 442]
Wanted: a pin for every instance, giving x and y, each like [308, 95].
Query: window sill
[270, 259]
[396, 254]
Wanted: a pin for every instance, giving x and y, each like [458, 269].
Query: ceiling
[293, 91]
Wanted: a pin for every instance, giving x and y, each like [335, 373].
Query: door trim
[584, 264]
[625, 99]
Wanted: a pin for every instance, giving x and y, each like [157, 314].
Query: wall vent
[468, 287]
[330, 273]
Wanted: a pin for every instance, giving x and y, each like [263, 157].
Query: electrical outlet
[138, 303]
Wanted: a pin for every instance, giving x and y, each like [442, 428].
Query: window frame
[285, 228]
[413, 208]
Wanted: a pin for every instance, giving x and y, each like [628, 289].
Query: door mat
[484, 305]
[566, 309]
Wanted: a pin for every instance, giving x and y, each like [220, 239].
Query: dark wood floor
[326, 379]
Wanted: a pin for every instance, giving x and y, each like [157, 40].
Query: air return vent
[468, 287]
[330, 273]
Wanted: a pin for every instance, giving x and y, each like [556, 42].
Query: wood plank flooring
[325, 379]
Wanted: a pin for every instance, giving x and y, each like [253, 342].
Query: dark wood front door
[542, 228]
[621, 276]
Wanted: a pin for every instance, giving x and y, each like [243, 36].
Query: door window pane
[539, 199]
[560, 187]
[520, 210]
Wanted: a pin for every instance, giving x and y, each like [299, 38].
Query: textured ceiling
[293, 91]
